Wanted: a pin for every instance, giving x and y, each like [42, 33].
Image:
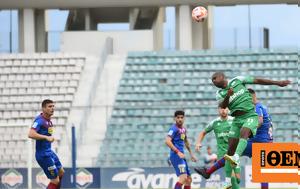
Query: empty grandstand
[26, 79]
[154, 84]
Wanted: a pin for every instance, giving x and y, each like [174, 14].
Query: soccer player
[41, 131]
[264, 130]
[263, 134]
[234, 95]
[176, 140]
[221, 127]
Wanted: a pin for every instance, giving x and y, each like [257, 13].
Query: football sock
[52, 186]
[228, 169]
[241, 146]
[59, 184]
[178, 185]
[234, 183]
[219, 164]
[264, 185]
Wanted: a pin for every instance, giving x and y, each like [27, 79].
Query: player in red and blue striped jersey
[176, 140]
[41, 131]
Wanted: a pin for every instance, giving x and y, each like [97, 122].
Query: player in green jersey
[234, 95]
[221, 127]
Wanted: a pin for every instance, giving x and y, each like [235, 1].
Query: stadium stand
[25, 80]
[155, 84]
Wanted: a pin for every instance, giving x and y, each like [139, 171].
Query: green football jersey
[221, 129]
[241, 98]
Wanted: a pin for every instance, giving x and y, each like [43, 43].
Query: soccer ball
[199, 14]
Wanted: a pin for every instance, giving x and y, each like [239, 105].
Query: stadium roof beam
[68, 4]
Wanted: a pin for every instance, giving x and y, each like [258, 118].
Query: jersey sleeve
[219, 98]
[36, 125]
[209, 127]
[246, 79]
[171, 132]
[259, 111]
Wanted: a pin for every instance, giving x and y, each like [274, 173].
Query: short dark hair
[218, 73]
[251, 91]
[45, 102]
[178, 112]
[220, 106]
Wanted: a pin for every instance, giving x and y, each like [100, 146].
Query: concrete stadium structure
[141, 15]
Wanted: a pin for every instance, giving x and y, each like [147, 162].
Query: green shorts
[248, 120]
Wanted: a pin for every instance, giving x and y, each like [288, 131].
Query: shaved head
[219, 80]
[218, 74]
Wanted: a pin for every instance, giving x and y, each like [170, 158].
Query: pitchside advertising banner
[153, 178]
[13, 178]
[108, 178]
[17, 178]
[125, 178]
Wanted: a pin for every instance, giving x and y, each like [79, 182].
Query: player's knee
[55, 181]
[188, 180]
[183, 179]
[61, 172]
[245, 133]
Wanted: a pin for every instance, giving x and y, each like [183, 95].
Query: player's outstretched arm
[34, 135]
[262, 81]
[200, 138]
[188, 147]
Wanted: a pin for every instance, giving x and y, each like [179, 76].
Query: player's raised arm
[262, 81]
[200, 138]
[188, 147]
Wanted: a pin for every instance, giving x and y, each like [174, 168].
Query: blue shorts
[50, 163]
[180, 165]
[248, 150]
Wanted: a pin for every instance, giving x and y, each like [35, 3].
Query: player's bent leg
[202, 171]
[188, 182]
[228, 173]
[53, 183]
[234, 182]
[245, 134]
[227, 184]
[235, 159]
[237, 174]
[181, 181]
[248, 129]
[233, 142]
[207, 172]
[248, 150]
[61, 173]
[235, 178]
